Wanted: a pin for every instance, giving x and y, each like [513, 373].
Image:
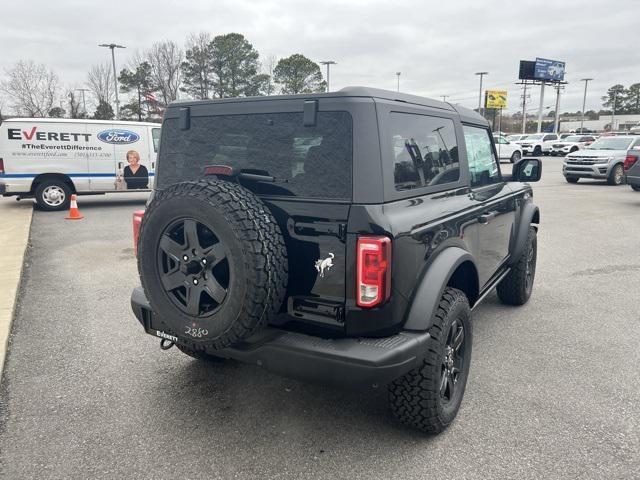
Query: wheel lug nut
[204, 261]
[195, 281]
[185, 258]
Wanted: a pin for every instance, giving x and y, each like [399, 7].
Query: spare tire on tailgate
[212, 262]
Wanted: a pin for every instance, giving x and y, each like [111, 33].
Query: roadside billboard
[495, 99]
[546, 69]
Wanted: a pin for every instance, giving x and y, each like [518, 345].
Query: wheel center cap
[192, 268]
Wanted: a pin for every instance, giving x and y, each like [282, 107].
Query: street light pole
[444, 98]
[113, 46]
[398, 74]
[327, 63]
[481, 74]
[584, 101]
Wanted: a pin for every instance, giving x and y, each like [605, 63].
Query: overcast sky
[437, 45]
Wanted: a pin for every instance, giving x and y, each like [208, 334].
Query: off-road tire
[256, 256]
[415, 398]
[516, 287]
[46, 186]
[571, 179]
[199, 354]
[616, 176]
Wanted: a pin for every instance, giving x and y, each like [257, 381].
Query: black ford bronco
[341, 238]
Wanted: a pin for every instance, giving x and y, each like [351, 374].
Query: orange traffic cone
[74, 213]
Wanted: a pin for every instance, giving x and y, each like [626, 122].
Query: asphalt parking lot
[554, 389]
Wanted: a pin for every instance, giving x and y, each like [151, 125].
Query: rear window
[312, 162]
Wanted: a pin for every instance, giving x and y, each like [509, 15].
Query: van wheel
[53, 195]
[429, 396]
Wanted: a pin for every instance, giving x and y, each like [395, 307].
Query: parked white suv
[507, 150]
[538, 143]
[571, 144]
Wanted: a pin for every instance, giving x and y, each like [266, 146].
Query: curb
[14, 239]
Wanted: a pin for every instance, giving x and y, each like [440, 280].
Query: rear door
[132, 153]
[488, 191]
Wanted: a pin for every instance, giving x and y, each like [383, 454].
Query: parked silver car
[603, 159]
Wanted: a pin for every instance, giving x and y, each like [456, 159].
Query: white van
[51, 158]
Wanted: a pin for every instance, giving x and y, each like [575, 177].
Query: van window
[483, 166]
[312, 162]
[424, 151]
[155, 135]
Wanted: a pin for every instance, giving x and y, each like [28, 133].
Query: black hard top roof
[368, 92]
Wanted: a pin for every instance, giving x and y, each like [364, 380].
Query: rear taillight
[630, 161]
[137, 221]
[1, 165]
[374, 271]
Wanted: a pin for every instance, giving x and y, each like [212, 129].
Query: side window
[155, 135]
[550, 137]
[424, 151]
[502, 141]
[483, 167]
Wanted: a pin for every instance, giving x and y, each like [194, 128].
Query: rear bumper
[353, 363]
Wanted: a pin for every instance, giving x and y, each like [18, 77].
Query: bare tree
[75, 103]
[165, 59]
[268, 66]
[32, 88]
[100, 82]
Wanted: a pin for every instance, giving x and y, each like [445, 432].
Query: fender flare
[426, 297]
[530, 214]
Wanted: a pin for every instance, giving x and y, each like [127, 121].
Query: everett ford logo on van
[118, 136]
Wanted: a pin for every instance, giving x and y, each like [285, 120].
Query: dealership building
[622, 122]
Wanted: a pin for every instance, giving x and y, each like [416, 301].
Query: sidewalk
[15, 222]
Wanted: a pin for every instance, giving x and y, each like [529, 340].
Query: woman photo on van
[136, 175]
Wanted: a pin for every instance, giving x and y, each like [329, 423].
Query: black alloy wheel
[452, 362]
[193, 267]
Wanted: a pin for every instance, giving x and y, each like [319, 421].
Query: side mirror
[527, 170]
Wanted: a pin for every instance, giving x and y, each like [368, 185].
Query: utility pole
[84, 103]
[113, 46]
[481, 74]
[541, 106]
[398, 75]
[444, 98]
[556, 123]
[613, 111]
[327, 63]
[524, 111]
[584, 100]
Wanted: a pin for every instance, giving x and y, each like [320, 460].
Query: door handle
[487, 216]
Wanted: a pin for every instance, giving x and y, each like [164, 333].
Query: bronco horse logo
[324, 265]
